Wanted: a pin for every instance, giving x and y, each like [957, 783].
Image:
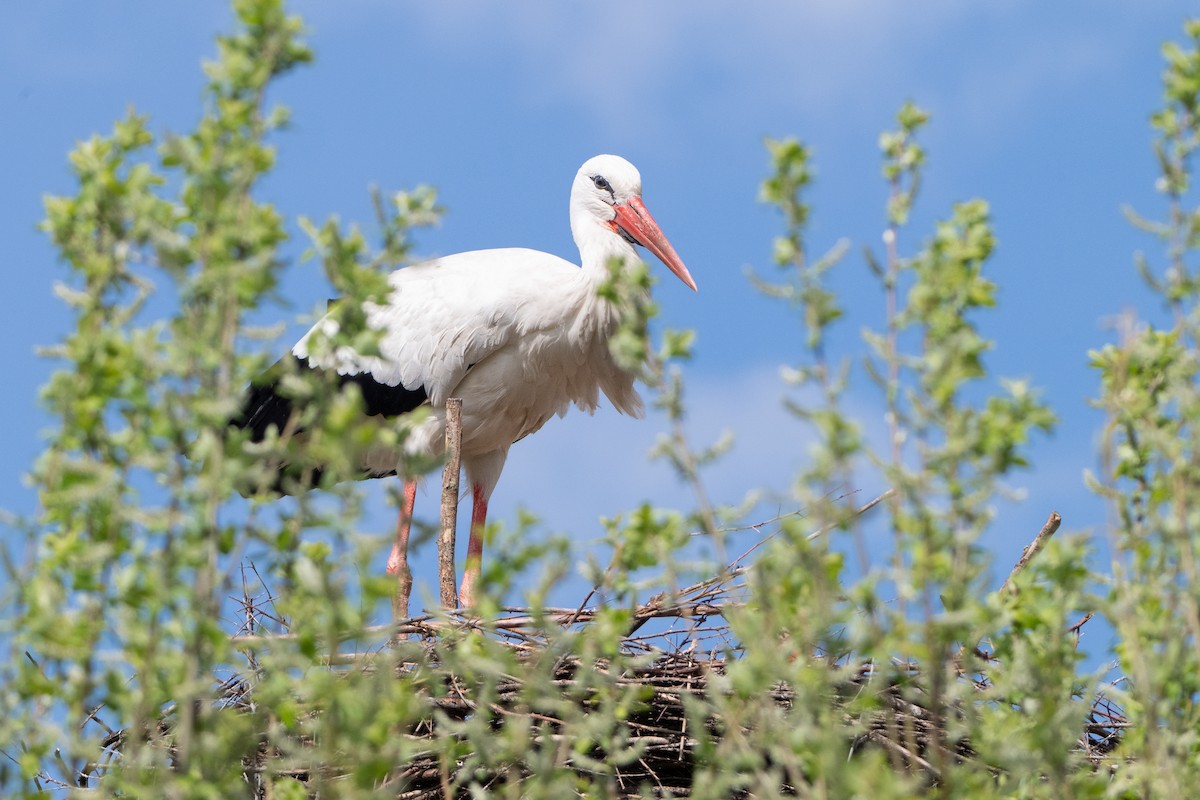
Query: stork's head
[606, 199]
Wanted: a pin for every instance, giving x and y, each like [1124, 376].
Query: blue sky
[1039, 108]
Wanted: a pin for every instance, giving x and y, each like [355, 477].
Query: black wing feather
[266, 407]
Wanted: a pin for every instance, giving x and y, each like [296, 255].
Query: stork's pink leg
[466, 592]
[398, 560]
[399, 557]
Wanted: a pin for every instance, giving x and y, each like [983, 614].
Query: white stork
[518, 334]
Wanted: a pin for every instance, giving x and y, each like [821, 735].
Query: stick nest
[684, 645]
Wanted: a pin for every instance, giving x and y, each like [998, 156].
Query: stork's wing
[266, 406]
[445, 316]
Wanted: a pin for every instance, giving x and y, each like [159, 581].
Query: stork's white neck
[599, 245]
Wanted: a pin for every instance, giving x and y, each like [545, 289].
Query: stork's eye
[602, 183]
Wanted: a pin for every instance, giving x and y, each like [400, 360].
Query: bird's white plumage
[444, 316]
[518, 334]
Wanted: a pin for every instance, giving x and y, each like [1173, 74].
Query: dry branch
[450, 477]
[1032, 550]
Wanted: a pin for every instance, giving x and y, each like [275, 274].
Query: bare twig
[446, 575]
[820, 531]
[1032, 550]
[857, 512]
[1077, 628]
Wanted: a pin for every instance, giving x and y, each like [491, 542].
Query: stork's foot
[466, 592]
[468, 595]
[396, 561]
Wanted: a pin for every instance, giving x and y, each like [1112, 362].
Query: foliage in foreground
[910, 674]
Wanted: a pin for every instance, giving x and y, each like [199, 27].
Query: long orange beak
[635, 222]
